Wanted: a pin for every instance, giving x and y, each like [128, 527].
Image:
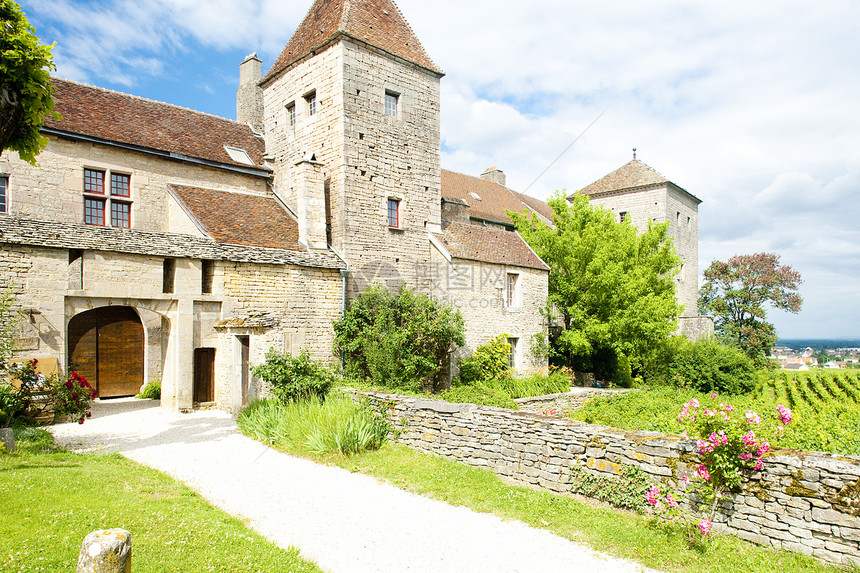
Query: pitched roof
[631, 175]
[375, 22]
[239, 218]
[131, 120]
[52, 234]
[489, 245]
[490, 201]
[538, 206]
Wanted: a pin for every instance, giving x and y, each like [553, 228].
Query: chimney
[249, 96]
[310, 202]
[494, 174]
[454, 211]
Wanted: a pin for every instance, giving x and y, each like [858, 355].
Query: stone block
[106, 551]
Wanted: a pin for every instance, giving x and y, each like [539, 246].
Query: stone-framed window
[391, 101]
[4, 194]
[98, 204]
[393, 213]
[511, 289]
[311, 102]
[291, 113]
[623, 216]
[512, 357]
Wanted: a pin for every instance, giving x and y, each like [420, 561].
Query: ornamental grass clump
[730, 445]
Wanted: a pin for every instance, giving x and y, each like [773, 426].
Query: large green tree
[736, 293]
[26, 92]
[613, 286]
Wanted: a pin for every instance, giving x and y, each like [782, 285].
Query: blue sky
[751, 106]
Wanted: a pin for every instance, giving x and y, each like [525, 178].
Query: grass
[624, 534]
[52, 499]
[825, 405]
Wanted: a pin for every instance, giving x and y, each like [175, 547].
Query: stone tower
[351, 120]
[637, 193]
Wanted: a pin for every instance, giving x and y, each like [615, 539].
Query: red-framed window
[94, 211]
[120, 185]
[4, 194]
[394, 213]
[94, 181]
[120, 214]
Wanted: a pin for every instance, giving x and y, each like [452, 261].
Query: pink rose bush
[729, 447]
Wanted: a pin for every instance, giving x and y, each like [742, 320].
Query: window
[512, 357]
[4, 196]
[623, 216]
[512, 289]
[391, 103]
[311, 100]
[207, 273]
[394, 213]
[97, 205]
[291, 113]
[169, 276]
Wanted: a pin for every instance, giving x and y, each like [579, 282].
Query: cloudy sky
[754, 107]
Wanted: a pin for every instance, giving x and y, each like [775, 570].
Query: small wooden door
[204, 374]
[106, 348]
[245, 356]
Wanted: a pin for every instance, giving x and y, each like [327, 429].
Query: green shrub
[479, 394]
[152, 391]
[534, 385]
[626, 490]
[397, 341]
[294, 378]
[489, 361]
[11, 404]
[338, 425]
[705, 365]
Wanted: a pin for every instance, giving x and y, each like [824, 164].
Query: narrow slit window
[169, 276]
[4, 194]
[311, 101]
[512, 289]
[291, 114]
[208, 276]
[512, 357]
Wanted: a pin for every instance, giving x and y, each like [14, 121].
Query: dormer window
[311, 101]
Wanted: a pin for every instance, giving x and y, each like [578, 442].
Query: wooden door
[106, 348]
[245, 343]
[204, 375]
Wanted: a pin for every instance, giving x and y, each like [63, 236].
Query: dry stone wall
[804, 502]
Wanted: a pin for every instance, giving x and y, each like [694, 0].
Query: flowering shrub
[730, 446]
[72, 398]
[549, 412]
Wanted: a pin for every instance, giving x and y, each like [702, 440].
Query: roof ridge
[155, 101]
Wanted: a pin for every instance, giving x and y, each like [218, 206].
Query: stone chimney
[494, 174]
[249, 96]
[454, 211]
[309, 189]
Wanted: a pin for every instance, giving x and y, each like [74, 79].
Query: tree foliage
[736, 293]
[490, 361]
[613, 286]
[397, 340]
[26, 92]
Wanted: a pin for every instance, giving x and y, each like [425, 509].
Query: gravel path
[345, 522]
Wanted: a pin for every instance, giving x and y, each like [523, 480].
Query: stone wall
[567, 402]
[804, 502]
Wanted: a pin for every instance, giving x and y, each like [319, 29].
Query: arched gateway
[106, 347]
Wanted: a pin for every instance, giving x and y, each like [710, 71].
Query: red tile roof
[629, 176]
[489, 245]
[495, 200]
[375, 22]
[123, 118]
[240, 219]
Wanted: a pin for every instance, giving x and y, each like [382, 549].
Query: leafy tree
[736, 292]
[398, 340]
[26, 92]
[613, 286]
[490, 361]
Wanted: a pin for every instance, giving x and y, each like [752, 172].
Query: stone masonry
[804, 502]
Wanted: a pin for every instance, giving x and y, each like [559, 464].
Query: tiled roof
[538, 206]
[494, 200]
[19, 231]
[375, 22]
[489, 245]
[131, 120]
[630, 175]
[239, 218]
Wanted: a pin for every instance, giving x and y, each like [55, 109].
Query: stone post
[106, 551]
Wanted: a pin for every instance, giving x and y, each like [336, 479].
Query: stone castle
[156, 242]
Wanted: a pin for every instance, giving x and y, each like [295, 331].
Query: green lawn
[826, 407]
[50, 501]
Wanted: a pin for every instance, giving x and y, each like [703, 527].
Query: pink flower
[785, 415]
[762, 449]
[714, 396]
[685, 479]
[745, 457]
[752, 417]
[670, 501]
[730, 408]
[703, 473]
[651, 496]
[705, 526]
[758, 465]
[749, 438]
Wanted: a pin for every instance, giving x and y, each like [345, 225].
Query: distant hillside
[819, 343]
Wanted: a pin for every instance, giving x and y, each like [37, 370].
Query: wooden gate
[106, 347]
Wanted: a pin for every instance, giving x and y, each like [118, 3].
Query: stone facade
[805, 502]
